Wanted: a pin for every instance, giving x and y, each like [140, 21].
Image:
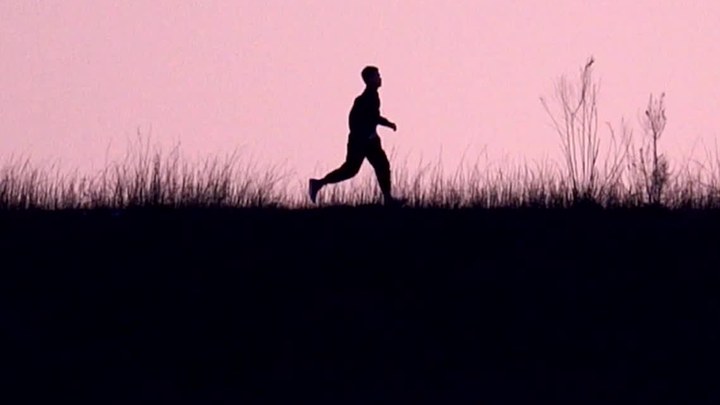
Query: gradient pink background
[277, 78]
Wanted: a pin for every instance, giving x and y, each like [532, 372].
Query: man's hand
[387, 123]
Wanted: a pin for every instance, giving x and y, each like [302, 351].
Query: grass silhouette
[164, 180]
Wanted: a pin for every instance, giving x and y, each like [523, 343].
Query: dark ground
[360, 306]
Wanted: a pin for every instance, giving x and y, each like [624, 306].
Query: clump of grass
[143, 179]
[577, 126]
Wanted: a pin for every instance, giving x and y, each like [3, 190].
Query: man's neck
[371, 89]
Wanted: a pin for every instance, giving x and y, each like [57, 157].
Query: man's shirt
[365, 114]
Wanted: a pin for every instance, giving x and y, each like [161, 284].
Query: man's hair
[367, 72]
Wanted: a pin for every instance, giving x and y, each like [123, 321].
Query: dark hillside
[361, 305]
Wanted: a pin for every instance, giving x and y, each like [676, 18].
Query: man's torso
[364, 114]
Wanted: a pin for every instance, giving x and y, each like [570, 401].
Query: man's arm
[374, 107]
[386, 123]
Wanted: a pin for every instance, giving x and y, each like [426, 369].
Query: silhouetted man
[363, 140]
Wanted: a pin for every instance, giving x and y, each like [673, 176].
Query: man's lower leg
[337, 176]
[342, 173]
[385, 186]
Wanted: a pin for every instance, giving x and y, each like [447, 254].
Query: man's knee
[351, 167]
[381, 164]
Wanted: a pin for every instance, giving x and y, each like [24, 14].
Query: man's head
[371, 76]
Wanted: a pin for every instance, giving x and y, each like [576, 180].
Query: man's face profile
[375, 79]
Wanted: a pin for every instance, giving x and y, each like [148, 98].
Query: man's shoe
[314, 187]
[395, 202]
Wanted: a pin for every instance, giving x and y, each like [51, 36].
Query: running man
[363, 140]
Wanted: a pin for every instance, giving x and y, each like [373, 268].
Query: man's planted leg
[380, 163]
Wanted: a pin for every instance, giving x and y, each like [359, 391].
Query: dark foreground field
[360, 306]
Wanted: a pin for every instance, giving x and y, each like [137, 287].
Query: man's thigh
[357, 149]
[375, 153]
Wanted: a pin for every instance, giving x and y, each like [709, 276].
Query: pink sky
[278, 77]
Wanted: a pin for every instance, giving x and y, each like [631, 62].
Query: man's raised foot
[313, 188]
